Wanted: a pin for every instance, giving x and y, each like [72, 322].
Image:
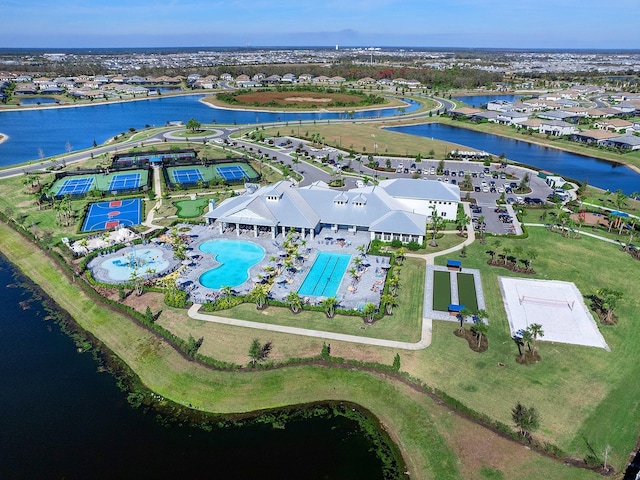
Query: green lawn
[579, 391]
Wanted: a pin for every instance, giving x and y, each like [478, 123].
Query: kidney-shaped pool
[236, 257]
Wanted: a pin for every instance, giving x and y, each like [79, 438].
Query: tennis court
[187, 176]
[74, 186]
[232, 172]
[125, 181]
[81, 184]
[558, 306]
[113, 214]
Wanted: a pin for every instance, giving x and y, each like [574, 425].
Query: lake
[482, 100]
[599, 173]
[62, 419]
[52, 130]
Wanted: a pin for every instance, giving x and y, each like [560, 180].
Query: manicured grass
[191, 208]
[441, 290]
[362, 137]
[571, 383]
[404, 325]
[467, 291]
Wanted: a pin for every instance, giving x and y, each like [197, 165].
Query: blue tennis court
[232, 172]
[125, 181]
[75, 186]
[188, 175]
[113, 214]
[325, 275]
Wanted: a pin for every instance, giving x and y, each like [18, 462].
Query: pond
[52, 131]
[482, 100]
[599, 173]
[61, 418]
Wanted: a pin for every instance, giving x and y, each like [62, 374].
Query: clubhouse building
[394, 209]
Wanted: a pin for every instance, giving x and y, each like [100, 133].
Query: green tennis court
[467, 291]
[441, 290]
[105, 182]
[192, 174]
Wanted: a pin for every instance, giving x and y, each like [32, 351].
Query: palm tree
[461, 223]
[394, 284]
[259, 295]
[400, 255]
[294, 301]
[436, 223]
[506, 251]
[479, 328]
[527, 338]
[369, 312]
[536, 331]
[531, 256]
[621, 199]
[609, 301]
[329, 305]
[464, 313]
[517, 253]
[389, 302]
[226, 290]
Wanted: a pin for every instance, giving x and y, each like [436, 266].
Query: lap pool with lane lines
[325, 275]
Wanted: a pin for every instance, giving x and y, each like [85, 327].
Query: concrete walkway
[424, 342]
[586, 234]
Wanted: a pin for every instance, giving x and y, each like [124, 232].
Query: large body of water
[599, 173]
[52, 129]
[482, 100]
[62, 419]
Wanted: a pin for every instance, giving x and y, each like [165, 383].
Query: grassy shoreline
[425, 432]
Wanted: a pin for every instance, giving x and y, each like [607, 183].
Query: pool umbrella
[182, 281]
[193, 254]
[282, 253]
[187, 262]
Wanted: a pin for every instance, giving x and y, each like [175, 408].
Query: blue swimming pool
[142, 260]
[325, 275]
[236, 257]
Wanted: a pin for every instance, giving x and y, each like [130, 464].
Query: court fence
[96, 191]
[198, 181]
[144, 159]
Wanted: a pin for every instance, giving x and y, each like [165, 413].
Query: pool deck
[350, 295]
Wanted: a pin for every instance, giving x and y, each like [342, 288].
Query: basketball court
[114, 214]
[557, 306]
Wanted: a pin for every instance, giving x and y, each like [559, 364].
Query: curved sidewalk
[424, 342]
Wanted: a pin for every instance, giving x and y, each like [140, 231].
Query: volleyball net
[547, 302]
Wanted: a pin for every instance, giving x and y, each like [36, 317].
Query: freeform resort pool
[325, 275]
[236, 257]
[140, 259]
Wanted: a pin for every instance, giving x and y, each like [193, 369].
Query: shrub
[175, 298]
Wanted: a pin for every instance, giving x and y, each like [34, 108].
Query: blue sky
[418, 23]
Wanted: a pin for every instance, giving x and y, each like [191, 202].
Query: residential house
[511, 117]
[623, 142]
[617, 125]
[593, 136]
[557, 128]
